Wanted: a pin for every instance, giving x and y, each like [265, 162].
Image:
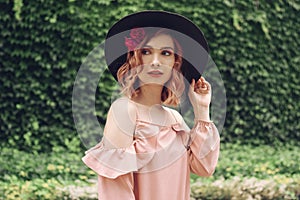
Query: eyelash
[165, 53]
[145, 51]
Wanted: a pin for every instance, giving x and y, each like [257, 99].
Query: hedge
[43, 44]
[236, 188]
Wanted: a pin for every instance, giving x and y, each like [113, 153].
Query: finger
[192, 85]
[191, 89]
[198, 85]
[202, 79]
[203, 86]
[208, 86]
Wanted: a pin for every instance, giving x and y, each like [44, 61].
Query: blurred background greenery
[255, 45]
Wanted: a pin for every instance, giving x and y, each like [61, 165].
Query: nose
[155, 61]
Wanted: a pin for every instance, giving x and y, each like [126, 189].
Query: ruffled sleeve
[111, 163]
[114, 168]
[204, 148]
[114, 163]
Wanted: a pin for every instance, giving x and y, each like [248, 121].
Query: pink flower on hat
[130, 43]
[137, 35]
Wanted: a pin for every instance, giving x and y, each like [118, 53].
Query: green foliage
[245, 172]
[263, 162]
[248, 188]
[42, 175]
[260, 162]
[60, 164]
[36, 189]
[47, 189]
[237, 188]
[262, 172]
[43, 44]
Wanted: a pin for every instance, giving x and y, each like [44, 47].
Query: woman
[148, 151]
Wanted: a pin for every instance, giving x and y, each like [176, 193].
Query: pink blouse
[157, 165]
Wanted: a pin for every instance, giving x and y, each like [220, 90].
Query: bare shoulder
[123, 108]
[176, 114]
[179, 118]
[120, 123]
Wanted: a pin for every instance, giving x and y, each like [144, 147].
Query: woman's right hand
[200, 98]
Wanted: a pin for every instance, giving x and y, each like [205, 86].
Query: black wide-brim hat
[190, 37]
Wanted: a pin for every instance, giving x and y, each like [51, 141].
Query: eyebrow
[162, 48]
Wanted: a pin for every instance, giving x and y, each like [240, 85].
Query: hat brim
[190, 37]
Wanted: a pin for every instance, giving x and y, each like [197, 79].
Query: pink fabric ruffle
[153, 148]
[111, 163]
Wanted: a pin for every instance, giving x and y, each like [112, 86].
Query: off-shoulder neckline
[142, 105]
[165, 108]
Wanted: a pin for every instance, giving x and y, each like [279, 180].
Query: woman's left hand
[200, 96]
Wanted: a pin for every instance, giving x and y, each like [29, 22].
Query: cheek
[169, 73]
[143, 69]
[146, 59]
[170, 61]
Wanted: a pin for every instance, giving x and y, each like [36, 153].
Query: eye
[166, 53]
[145, 52]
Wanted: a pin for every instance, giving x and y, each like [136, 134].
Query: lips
[155, 73]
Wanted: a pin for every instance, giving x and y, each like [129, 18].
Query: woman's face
[158, 59]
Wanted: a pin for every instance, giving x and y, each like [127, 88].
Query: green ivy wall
[255, 45]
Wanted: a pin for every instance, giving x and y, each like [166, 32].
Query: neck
[149, 95]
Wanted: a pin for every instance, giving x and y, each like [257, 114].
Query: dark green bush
[43, 43]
